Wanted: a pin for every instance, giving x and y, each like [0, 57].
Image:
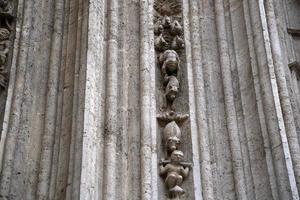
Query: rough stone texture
[80, 116]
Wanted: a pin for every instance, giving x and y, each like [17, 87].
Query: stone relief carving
[168, 7]
[169, 116]
[175, 171]
[6, 21]
[169, 44]
[172, 136]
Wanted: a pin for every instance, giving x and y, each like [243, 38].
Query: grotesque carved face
[172, 88]
[177, 156]
[173, 143]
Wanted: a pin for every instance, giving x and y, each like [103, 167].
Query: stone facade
[150, 99]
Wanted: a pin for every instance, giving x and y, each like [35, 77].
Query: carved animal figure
[172, 136]
[177, 43]
[176, 28]
[158, 28]
[175, 174]
[172, 89]
[160, 43]
[170, 64]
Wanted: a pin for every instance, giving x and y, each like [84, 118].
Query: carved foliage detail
[6, 21]
[169, 44]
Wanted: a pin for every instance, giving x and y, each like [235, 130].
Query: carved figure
[175, 173]
[166, 22]
[170, 116]
[160, 43]
[176, 28]
[158, 28]
[177, 43]
[170, 64]
[172, 89]
[172, 136]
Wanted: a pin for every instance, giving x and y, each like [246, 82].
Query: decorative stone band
[6, 23]
[168, 44]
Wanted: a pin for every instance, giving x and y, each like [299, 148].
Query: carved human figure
[176, 28]
[175, 173]
[166, 22]
[160, 43]
[170, 64]
[172, 136]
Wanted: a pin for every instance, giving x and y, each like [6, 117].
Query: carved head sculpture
[166, 22]
[172, 136]
[172, 88]
[171, 62]
[177, 157]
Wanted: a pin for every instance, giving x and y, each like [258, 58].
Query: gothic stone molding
[169, 44]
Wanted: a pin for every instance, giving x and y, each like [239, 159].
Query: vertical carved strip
[169, 46]
[145, 92]
[229, 102]
[91, 186]
[277, 133]
[200, 101]
[8, 141]
[51, 105]
[285, 102]
[111, 112]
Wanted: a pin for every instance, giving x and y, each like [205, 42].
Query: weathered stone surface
[87, 102]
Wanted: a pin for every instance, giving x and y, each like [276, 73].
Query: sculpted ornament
[4, 50]
[6, 18]
[169, 116]
[172, 136]
[172, 89]
[170, 64]
[169, 44]
[174, 172]
[168, 7]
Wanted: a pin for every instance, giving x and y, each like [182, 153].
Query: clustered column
[169, 46]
